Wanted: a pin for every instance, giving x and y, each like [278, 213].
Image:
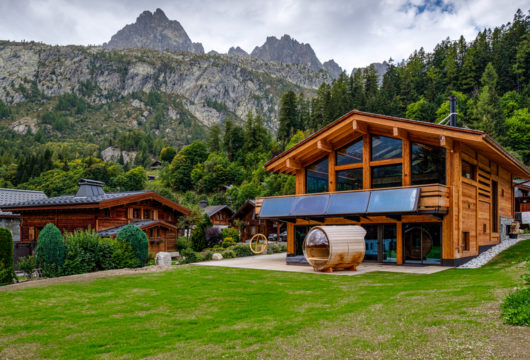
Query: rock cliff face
[288, 51]
[237, 51]
[381, 69]
[210, 86]
[154, 31]
[333, 68]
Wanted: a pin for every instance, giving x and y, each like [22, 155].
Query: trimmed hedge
[50, 250]
[7, 273]
[134, 236]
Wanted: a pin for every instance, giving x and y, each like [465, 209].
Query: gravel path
[489, 254]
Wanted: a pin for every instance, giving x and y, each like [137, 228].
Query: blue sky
[354, 33]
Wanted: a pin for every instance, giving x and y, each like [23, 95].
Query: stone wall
[505, 228]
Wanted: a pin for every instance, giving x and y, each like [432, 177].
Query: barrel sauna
[335, 247]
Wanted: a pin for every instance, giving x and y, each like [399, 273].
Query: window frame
[307, 171]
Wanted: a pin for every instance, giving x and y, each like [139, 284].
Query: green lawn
[201, 312]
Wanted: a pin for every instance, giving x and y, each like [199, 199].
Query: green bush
[7, 273]
[182, 243]
[27, 265]
[134, 236]
[86, 252]
[242, 250]
[278, 248]
[228, 254]
[50, 250]
[230, 232]
[198, 237]
[228, 241]
[188, 256]
[516, 308]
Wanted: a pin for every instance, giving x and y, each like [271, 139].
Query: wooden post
[290, 238]
[407, 166]
[331, 172]
[367, 183]
[399, 243]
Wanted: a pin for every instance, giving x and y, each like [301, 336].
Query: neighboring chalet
[425, 193]
[105, 213]
[220, 215]
[522, 202]
[246, 214]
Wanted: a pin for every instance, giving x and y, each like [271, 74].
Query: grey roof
[115, 230]
[73, 199]
[11, 196]
[214, 209]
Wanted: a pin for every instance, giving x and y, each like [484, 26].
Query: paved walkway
[276, 262]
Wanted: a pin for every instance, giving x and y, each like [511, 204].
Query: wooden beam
[443, 140]
[353, 218]
[399, 243]
[293, 164]
[394, 217]
[324, 146]
[399, 133]
[359, 126]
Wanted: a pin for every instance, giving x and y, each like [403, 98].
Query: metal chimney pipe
[452, 110]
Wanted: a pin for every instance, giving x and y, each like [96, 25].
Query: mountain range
[155, 54]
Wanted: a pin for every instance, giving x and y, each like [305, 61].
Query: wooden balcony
[433, 198]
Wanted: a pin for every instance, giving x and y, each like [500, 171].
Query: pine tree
[288, 117]
[487, 113]
[214, 142]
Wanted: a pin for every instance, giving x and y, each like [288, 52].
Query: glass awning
[357, 203]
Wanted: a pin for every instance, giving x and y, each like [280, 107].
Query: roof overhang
[356, 123]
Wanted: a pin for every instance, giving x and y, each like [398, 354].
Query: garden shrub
[228, 254]
[182, 243]
[27, 265]
[7, 273]
[230, 232]
[228, 241]
[86, 252]
[242, 250]
[213, 237]
[188, 256]
[134, 236]
[123, 255]
[206, 255]
[50, 250]
[516, 308]
[198, 237]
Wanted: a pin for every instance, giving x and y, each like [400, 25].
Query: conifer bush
[7, 274]
[134, 236]
[50, 250]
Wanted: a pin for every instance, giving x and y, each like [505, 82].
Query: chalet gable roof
[250, 204]
[355, 123]
[102, 201]
[214, 209]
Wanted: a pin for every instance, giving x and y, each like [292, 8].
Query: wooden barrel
[335, 247]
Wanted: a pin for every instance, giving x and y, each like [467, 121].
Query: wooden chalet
[220, 215]
[105, 213]
[426, 193]
[253, 225]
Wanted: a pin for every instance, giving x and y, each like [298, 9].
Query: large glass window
[381, 242]
[428, 164]
[387, 176]
[351, 179]
[385, 148]
[422, 243]
[351, 154]
[317, 177]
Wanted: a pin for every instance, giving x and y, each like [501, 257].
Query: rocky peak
[287, 50]
[237, 51]
[154, 31]
[333, 68]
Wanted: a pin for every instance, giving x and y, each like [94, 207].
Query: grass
[202, 312]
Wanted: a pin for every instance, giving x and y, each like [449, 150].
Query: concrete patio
[276, 262]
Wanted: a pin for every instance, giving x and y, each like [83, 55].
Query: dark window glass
[428, 164]
[389, 243]
[351, 154]
[351, 179]
[468, 170]
[386, 176]
[107, 213]
[371, 242]
[422, 243]
[136, 213]
[317, 177]
[147, 214]
[385, 148]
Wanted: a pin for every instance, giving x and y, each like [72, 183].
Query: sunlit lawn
[202, 312]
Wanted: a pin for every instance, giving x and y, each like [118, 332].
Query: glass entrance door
[380, 241]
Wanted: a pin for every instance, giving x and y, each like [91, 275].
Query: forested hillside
[489, 75]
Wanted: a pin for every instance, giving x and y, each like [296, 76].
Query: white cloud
[354, 33]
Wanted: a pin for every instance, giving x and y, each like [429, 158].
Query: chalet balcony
[432, 199]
